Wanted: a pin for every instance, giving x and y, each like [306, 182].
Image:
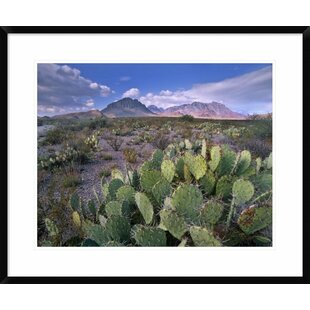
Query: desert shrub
[106, 156]
[115, 142]
[55, 136]
[187, 118]
[161, 141]
[97, 123]
[257, 147]
[186, 133]
[71, 180]
[130, 155]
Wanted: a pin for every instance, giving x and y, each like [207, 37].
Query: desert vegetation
[155, 181]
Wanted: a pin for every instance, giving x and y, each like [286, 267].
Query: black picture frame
[5, 31]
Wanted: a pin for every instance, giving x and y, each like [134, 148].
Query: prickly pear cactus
[117, 174]
[161, 190]
[188, 144]
[175, 224]
[149, 179]
[145, 207]
[113, 208]
[51, 227]
[258, 164]
[242, 191]
[92, 207]
[118, 229]
[224, 187]
[180, 168]
[76, 219]
[75, 202]
[168, 170]
[197, 165]
[203, 237]
[227, 161]
[126, 193]
[215, 154]
[114, 185]
[255, 218]
[187, 201]
[157, 158]
[149, 236]
[96, 232]
[204, 148]
[207, 183]
[211, 212]
[244, 162]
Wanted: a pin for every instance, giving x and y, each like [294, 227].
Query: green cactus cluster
[192, 196]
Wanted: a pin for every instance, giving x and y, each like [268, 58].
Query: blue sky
[64, 88]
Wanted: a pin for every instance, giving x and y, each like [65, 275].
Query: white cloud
[62, 88]
[93, 85]
[105, 90]
[89, 103]
[132, 93]
[247, 93]
[166, 93]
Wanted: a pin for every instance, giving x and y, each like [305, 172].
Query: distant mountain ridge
[80, 115]
[153, 108]
[213, 109]
[126, 107]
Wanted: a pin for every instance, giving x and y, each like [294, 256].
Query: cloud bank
[132, 93]
[62, 89]
[247, 93]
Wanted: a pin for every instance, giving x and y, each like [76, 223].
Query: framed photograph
[154, 154]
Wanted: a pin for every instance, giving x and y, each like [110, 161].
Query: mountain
[80, 115]
[153, 108]
[126, 107]
[203, 110]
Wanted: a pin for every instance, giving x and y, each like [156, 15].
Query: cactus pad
[224, 187]
[126, 193]
[211, 212]
[215, 154]
[117, 174]
[92, 207]
[255, 218]
[203, 237]
[168, 170]
[75, 202]
[149, 179]
[145, 207]
[207, 183]
[114, 185]
[51, 227]
[149, 236]
[204, 148]
[258, 164]
[157, 159]
[197, 165]
[227, 161]
[96, 233]
[172, 222]
[243, 162]
[76, 219]
[180, 168]
[187, 200]
[243, 191]
[263, 182]
[188, 144]
[113, 208]
[118, 229]
[161, 190]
